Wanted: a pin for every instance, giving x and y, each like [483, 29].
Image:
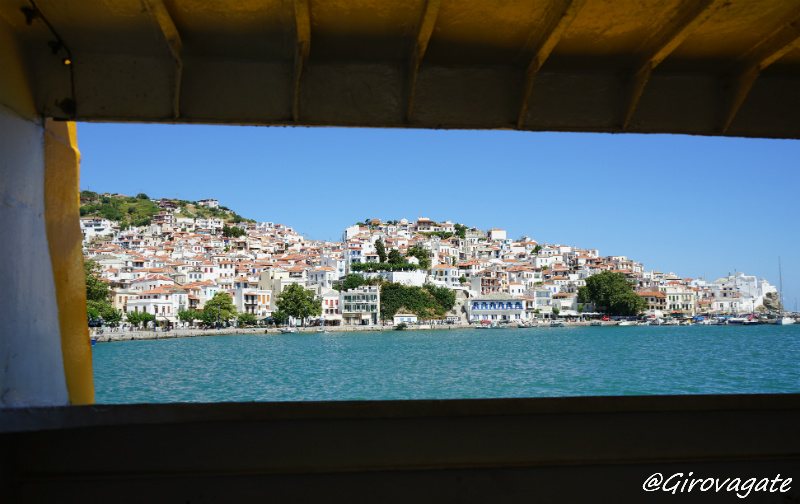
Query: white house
[160, 302]
[446, 275]
[249, 299]
[208, 203]
[324, 276]
[335, 262]
[331, 307]
[408, 318]
[495, 234]
[149, 282]
[92, 227]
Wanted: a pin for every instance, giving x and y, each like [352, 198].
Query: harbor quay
[109, 336]
[126, 335]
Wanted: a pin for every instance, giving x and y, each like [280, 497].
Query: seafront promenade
[192, 333]
[107, 336]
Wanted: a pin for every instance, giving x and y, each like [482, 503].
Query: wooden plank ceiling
[708, 67]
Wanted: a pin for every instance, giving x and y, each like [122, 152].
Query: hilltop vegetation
[427, 302]
[137, 211]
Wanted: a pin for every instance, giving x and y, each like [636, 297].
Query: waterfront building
[543, 297]
[248, 298]
[163, 303]
[566, 303]
[361, 306]
[120, 297]
[680, 299]
[275, 280]
[656, 300]
[408, 318]
[495, 307]
[331, 307]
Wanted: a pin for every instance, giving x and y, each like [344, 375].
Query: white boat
[785, 321]
[288, 330]
[596, 324]
[322, 331]
[626, 323]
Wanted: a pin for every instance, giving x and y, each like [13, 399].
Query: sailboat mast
[780, 283]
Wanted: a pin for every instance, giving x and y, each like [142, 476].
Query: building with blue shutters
[495, 307]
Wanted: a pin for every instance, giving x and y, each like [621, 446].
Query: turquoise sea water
[450, 364]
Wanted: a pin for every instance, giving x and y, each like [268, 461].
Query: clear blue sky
[696, 206]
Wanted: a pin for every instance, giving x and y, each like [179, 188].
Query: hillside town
[177, 263]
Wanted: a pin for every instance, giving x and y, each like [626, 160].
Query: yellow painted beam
[560, 17]
[423, 34]
[62, 201]
[674, 33]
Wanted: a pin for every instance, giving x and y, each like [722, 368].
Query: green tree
[110, 314]
[537, 249]
[246, 319]
[135, 318]
[556, 311]
[187, 316]
[98, 295]
[381, 250]
[427, 302]
[462, 279]
[96, 289]
[221, 304]
[612, 293]
[280, 317]
[445, 297]
[233, 231]
[372, 266]
[298, 302]
[395, 257]
[142, 196]
[461, 231]
[421, 254]
[351, 281]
